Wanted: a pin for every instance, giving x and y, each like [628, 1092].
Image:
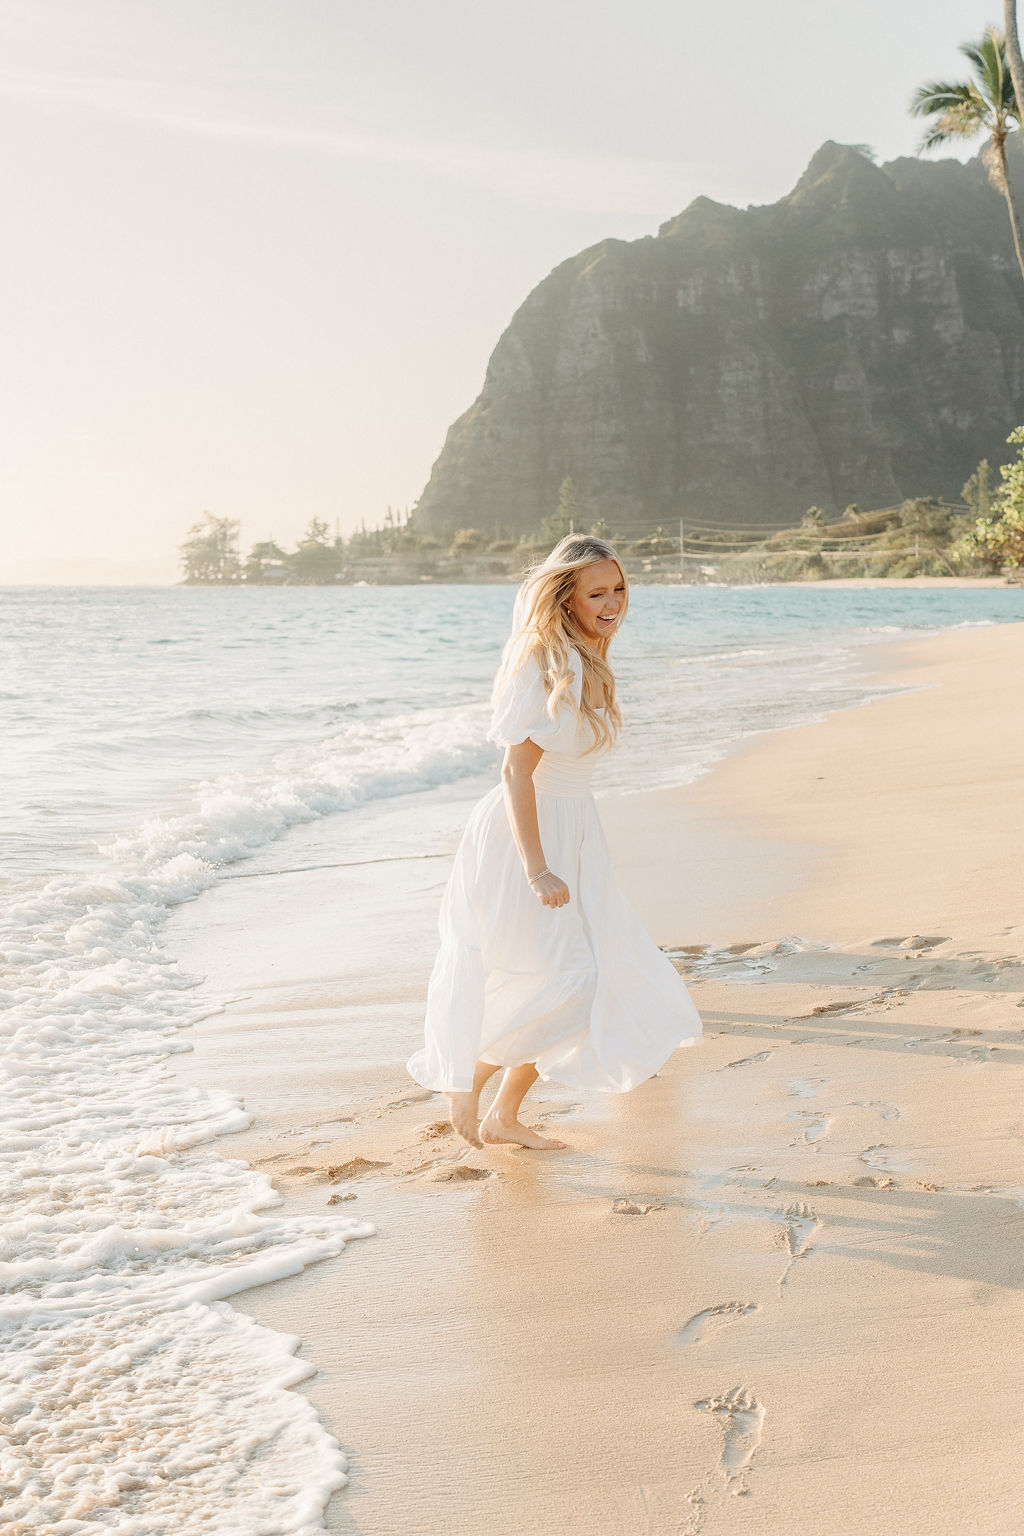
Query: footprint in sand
[815, 1127]
[436, 1129]
[741, 1417]
[749, 1061]
[562, 1109]
[417, 1096]
[707, 1217]
[703, 1324]
[805, 1087]
[887, 1111]
[801, 1226]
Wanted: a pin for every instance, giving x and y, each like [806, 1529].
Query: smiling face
[598, 599]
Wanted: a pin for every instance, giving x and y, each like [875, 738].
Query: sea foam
[134, 1398]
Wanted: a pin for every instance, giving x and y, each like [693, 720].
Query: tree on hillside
[263, 555]
[210, 553]
[566, 515]
[986, 104]
[397, 534]
[316, 560]
[977, 492]
[998, 541]
[466, 541]
[927, 521]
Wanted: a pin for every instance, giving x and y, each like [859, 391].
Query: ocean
[154, 740]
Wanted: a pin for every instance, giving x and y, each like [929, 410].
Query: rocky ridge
[860, 340]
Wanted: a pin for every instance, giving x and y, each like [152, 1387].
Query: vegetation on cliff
[922, 537]
[995, 538]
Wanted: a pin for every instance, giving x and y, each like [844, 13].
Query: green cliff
[860, 340]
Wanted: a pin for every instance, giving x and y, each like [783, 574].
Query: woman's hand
[552, 891]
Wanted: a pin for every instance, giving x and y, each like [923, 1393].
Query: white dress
[582, 990]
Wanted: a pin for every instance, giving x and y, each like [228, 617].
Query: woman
[544, 968]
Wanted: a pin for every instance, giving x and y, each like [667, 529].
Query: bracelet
[540, 872]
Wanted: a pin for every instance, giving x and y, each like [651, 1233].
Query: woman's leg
[464, 1108]
[501, 1123]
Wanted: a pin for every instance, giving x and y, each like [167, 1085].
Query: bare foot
[493, 1131]
[463, 1108]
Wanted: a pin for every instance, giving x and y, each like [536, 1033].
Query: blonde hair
[543, 627]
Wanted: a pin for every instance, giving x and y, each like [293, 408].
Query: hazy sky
[258, 251]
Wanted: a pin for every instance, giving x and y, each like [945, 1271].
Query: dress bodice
[520, 714]
[560, 773]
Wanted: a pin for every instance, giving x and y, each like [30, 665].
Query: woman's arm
[521, 799]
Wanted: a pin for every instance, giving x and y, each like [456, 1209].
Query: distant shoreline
[651, 579]
[637, 578]
[901, 581]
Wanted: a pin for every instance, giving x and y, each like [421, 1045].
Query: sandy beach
[777, 1289]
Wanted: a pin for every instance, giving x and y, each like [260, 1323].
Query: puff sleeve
[520, 711]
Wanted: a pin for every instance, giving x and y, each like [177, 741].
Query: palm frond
[956, 109]
[988, 58]
[992, 73]
[940, 96]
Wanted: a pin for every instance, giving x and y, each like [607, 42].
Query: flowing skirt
[582, 990]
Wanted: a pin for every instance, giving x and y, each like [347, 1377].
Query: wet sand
[777, 1288]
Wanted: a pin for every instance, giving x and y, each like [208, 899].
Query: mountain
[860, 340]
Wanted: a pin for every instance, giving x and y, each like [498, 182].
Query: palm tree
[1013, 57]
[986, 104]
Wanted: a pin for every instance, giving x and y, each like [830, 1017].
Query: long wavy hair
[543, 627]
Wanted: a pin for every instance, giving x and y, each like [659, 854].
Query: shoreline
[642, 579]
[638, 578]
[802, 1201]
